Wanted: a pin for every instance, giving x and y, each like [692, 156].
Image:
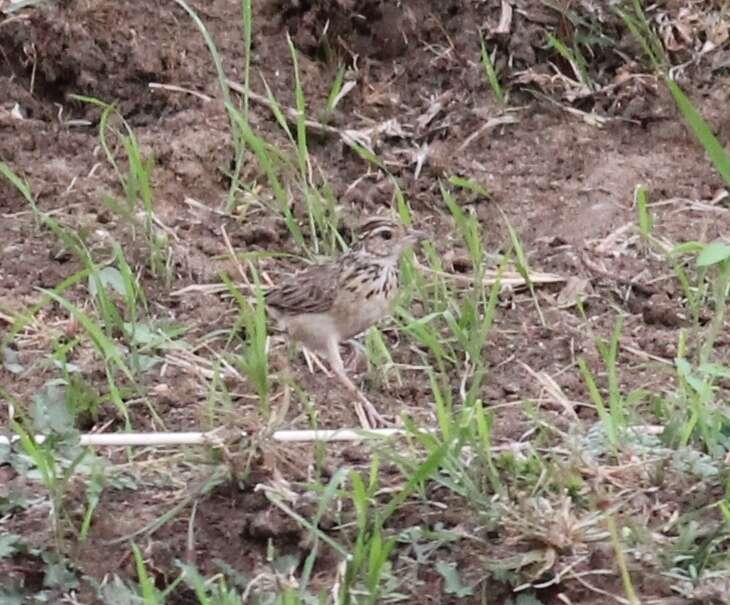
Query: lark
[324, 305]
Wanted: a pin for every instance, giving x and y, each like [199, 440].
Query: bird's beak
[416, 235]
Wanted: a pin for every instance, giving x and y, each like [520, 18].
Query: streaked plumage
[326, 304]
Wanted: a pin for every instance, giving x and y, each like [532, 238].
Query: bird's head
[386, 238]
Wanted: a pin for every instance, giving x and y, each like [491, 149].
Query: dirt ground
[562, 171]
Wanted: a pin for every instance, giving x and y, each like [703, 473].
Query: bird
[329, 303]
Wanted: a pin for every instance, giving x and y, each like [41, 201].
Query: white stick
[216, 437]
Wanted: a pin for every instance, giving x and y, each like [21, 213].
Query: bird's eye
[386, 234]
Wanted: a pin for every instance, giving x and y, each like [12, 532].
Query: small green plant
[239, 143]
[104, 326]
[269, 159]
[523, 268]
[254, 361]
[379, 357]
[51, 475]
[137, 186]
[701, 129]
[646, 222]
[492, 77]
[47, 435]
[335, 93]
[635, 19]
[275, 162]
[621, 560]
[614, 416]
[714, 259]
[652, 45]
[151, 595]
[577, 61]
[698, 400]
[373, 548]
[208, 592]
[468, 228]
[56, 572]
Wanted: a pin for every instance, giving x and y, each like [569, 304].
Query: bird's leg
[309, 357]
[368, 416]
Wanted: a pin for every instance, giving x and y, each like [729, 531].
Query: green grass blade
[701, 129]
[103, 344]
[491, 73]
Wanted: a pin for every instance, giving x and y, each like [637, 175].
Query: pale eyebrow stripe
[378, 228]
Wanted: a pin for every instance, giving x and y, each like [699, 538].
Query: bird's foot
[368, 414]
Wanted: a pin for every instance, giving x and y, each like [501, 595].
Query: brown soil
[564, 184]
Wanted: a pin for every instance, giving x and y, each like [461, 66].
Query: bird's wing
[312, 290]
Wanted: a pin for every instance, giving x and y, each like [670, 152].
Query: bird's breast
[366, 300]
